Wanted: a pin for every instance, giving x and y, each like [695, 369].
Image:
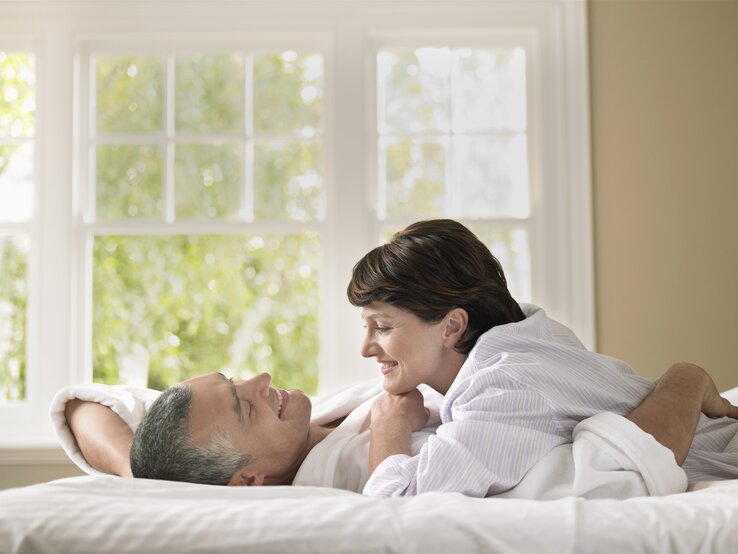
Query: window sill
[42, 455]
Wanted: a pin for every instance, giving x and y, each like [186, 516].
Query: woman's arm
[393, 419]
[670, 413]
[672, 410]
[102, 436]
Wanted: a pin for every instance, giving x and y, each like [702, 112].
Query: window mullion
[169, 160]
[247, 204]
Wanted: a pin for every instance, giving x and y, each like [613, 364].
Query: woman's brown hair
[431, 267]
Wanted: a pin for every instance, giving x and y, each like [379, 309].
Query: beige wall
[664, 97]
[17, 475]
[664, 78]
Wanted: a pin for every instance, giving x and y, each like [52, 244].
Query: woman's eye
[383, 330]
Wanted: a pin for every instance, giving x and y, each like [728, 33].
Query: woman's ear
[454, 325]
[246, 477]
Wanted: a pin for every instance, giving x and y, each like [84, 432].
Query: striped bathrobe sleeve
[497, 428]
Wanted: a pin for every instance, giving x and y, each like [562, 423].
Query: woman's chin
[396, 386]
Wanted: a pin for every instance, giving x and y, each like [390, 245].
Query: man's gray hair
[163, 448]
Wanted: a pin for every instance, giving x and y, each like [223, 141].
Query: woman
[437, 311]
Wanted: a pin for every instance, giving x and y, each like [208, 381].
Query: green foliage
[416, 92]
[13, 304]
[179, 306]
[209, 93]
[129, 182]
[17, 96]
[130, 94]
[207, 181]
[288, 93]
[17, 118]
[415, 178]
[287, 182]
[207, 303]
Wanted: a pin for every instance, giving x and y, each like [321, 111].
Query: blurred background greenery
[172, 306]
[242, 144]
[17, 118]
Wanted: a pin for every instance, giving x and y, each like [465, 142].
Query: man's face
[267, 424]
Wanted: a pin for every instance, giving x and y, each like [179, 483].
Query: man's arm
[102, 436]
[672, 410]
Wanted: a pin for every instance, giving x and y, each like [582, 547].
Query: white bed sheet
[105, 515]
[113, 515]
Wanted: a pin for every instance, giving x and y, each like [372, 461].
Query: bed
[106, 514]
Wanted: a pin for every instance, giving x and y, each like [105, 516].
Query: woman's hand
[401, 410]
[394, 418]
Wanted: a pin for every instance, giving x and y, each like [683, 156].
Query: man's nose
[260, 383]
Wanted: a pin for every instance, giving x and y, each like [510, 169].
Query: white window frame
[58, 296]
[89, 226]
[22, 410]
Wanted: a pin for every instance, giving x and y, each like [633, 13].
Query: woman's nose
[368, 348]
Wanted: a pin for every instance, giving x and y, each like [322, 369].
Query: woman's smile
[387, 366]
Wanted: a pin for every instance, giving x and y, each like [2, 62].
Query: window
[202, 194]
[191, 193]
[452, 142]
[17, 124]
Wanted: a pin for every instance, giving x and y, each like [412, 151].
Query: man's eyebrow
[236, 401]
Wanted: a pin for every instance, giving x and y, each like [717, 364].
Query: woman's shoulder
[537, 330]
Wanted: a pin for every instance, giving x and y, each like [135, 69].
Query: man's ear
[246, 476]
[454, 325]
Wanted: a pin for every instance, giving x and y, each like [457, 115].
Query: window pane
[207, 181]
[16, 181]
[484, 172]
[130, 94]
[288, 182]
[493, 175]
[209, 93]
[510, 247]
[13, 302]
[17, 94]
[414, 90]
[489, 94]
[129, 182]
[288, 93]
[415, 177]
[170, 308]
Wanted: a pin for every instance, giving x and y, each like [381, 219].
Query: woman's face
[268, 424]
[409, 350]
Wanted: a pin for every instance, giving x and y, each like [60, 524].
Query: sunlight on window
[17, 178]
[471, 102]
[13, 303]
[16, 181]
[170, 308]
[243, 143]
[453, 143]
